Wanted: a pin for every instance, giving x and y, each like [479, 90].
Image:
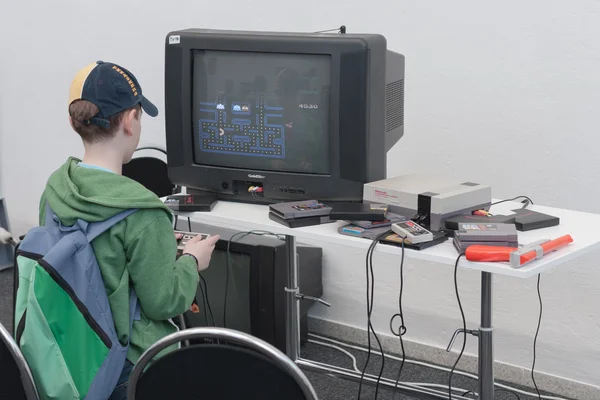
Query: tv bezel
[357, 111]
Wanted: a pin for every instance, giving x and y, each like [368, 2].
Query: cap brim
[148, 107]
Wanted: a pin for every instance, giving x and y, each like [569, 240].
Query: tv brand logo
[256, 176]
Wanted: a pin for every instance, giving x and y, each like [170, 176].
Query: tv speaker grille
[394, 105]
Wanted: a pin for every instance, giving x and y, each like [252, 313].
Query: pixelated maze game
[242, 128]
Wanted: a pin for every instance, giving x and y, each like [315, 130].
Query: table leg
[292, 318]
[486, 342]
[292, 334]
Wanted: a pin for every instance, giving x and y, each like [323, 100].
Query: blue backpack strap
[91, 230]
[50, 217]
[95, 229]
[134, 312]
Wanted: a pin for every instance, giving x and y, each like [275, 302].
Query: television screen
[262, 111]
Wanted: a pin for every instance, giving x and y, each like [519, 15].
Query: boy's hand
[201, 249]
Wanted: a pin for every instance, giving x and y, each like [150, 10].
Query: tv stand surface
[244, 217]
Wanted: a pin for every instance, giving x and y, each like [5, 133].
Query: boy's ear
[128, 122]
[71, 122]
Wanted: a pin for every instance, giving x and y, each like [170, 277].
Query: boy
[105, 109]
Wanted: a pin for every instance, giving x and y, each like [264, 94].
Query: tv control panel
[292, 190]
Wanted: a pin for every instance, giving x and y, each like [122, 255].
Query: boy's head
[105, 107]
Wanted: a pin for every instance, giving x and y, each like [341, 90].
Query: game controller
[184, 237]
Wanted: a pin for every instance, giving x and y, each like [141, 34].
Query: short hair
[83, 110]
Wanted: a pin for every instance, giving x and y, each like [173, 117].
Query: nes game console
[428, 199]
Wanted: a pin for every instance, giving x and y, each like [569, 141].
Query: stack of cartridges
[490, 234]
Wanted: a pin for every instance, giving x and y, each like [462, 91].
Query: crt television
[256, 296]
[297, 115]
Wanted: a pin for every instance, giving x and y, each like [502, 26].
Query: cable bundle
[402, 328]
[370, 289]
[370, 330]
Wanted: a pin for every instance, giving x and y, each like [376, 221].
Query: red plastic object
[548, 247]
[482, 253]
[488, 253]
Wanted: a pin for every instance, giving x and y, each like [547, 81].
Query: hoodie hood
[74, 192]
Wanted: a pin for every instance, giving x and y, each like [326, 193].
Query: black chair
[239, 367]
[16, 380]
[151, 172]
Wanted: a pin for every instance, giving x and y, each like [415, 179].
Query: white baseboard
[510, 374]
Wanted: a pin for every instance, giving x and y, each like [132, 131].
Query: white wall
[1, 139]
[514, 84]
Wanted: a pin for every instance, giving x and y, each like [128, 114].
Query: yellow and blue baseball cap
[111, 88]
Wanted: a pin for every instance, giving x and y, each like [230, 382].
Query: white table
[581, 226]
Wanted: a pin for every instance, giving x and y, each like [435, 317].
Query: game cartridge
[482, 232]
[300, 209]
[357, 231]
[390, 218]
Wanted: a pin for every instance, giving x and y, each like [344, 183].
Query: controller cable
[497, 390]
[206, 322]
[206, 301]
[400, 314]
[539, 395]
[177, 221]
[464, 320]
[370, 291]
[189, 221]
[527, 201]
[536, 337]
[203, 292]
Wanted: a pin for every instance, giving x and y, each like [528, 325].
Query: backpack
[64, 324]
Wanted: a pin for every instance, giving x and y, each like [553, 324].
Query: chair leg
[186, 343]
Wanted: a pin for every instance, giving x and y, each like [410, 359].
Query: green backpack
[64, 325]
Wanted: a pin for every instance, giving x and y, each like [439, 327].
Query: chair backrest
[239, 367]
[151, 172]
[16, 381]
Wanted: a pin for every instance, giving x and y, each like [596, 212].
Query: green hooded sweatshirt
[138, 252]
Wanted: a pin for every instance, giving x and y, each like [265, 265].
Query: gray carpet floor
[331, 388]
[6, 298]
[327, 387]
